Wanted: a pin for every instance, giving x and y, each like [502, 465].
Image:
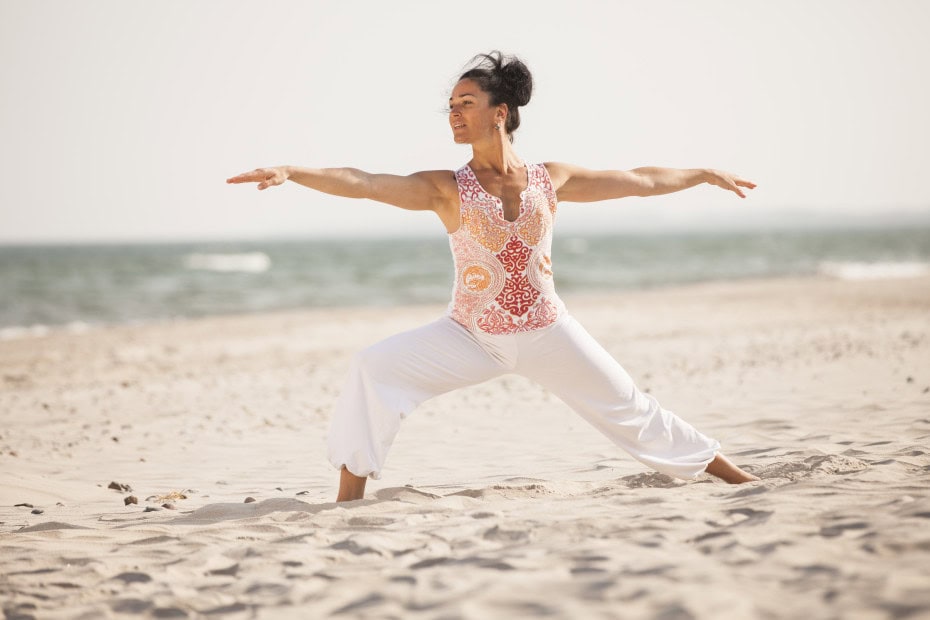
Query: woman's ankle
[351, 487]
[722, 468]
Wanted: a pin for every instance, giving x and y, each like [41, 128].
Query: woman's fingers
[248, 177]
[732, 183]
[738, 182]
[265, 177]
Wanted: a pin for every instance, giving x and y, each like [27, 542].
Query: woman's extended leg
[389, 380]
[569, 362]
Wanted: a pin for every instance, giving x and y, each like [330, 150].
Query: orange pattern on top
[532, 227]
[484, 231]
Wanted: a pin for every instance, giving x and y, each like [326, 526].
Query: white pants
[390, 379]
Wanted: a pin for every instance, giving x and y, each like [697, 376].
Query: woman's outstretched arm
[429, 190]
[576, 184]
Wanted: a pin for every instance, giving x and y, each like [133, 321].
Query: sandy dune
[496, 501]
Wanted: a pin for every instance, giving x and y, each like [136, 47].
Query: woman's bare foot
[728, 472]
[351, 487]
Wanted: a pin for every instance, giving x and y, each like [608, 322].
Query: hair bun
[517, 80]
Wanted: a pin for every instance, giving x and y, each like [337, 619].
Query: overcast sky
[121, 120]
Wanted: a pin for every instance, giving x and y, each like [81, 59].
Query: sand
[496, 501]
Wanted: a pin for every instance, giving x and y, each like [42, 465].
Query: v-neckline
[500, 201]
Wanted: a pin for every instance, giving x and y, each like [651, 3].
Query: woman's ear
[501, 115]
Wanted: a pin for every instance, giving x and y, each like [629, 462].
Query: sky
[120, 120]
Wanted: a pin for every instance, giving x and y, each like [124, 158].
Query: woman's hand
[728, 181]
[265, 177]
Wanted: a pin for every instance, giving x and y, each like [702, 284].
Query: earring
[497, 125]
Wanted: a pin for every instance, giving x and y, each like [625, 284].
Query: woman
[505, 316]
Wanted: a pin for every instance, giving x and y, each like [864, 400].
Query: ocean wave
[17, 332]
[246, 262]
[885, 270]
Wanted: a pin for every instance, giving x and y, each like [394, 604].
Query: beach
[496, 501]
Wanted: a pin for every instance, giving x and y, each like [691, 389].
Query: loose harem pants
[388, 380]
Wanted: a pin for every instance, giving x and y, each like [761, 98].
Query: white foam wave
[16, 332]
[873, 271]
[78, 327]
[247, 262]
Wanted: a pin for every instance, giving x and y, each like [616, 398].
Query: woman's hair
[506, 79]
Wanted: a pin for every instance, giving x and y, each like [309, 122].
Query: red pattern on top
[518, 294]
[521, 296]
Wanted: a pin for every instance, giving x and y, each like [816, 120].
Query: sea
[79, 287]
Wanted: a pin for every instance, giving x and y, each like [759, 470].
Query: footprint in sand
[130, 606]
[652, 480]
[370, 521]
[133, 577]
[832, 531]
[354, 547]
[812, 467]
[507, 536]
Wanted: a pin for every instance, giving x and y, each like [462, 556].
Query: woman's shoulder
[444, 180]
[558, 172]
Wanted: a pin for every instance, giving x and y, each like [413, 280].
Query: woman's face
[471, 115]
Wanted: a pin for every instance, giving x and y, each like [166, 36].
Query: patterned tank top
[503, 270]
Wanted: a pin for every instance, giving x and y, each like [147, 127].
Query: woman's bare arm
[428, 190]
[576, 184]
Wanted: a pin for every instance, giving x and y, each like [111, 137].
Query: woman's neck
[497, 154]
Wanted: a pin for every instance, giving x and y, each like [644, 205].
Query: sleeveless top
[503, 270]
